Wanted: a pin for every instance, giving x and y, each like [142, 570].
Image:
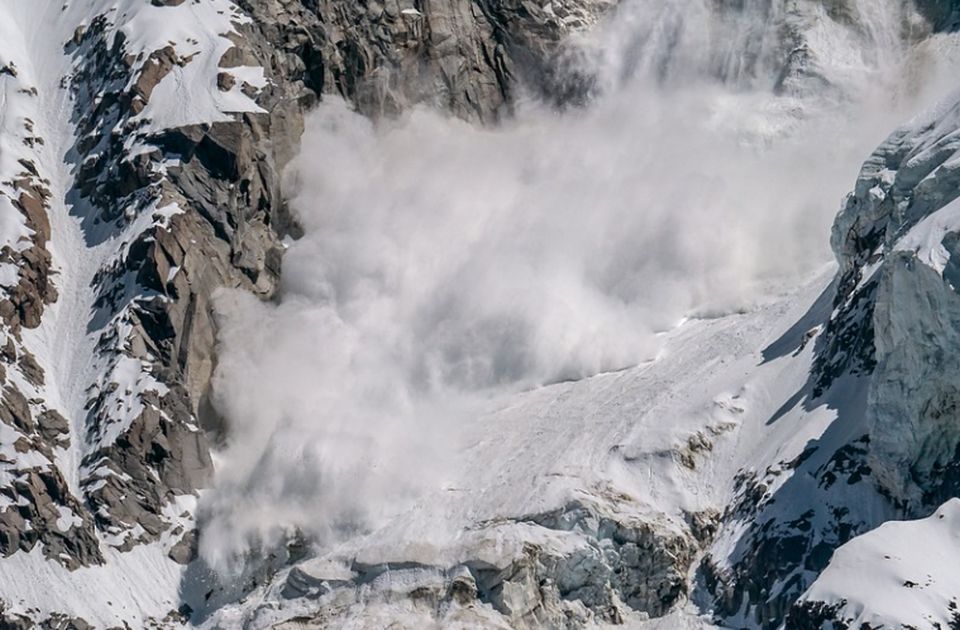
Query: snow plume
[442, 263]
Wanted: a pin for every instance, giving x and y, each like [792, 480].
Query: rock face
[178, 194]
[883, 362]
[895, 240]
[943, 14]
[162, 160]
[468, 57]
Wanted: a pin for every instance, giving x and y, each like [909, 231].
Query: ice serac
[896, 240]
[573, 567]
[884, 363]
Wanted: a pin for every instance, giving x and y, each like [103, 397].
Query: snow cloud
[443, 263]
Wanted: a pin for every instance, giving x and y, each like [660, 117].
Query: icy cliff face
[141, 157]
[895, 240]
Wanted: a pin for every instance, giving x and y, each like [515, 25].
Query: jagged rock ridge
[166, 156]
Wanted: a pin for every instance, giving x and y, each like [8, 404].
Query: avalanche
[590, 365]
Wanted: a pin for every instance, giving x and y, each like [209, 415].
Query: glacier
[478, 314]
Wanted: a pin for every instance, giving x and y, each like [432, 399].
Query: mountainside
[142, 150]
[897, 290]
[187, 183]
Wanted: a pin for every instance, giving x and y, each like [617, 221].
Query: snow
[626, 428]
[16, 108]
[926, 237]
[133, 586]
[163, 215]
[9, 275]
[619, 438]
[122, 387]
[613, 439]
[67, 519]
[142, 583]
[198, 31]
[902, 574]
[62, 344]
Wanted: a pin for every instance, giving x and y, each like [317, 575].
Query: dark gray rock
[185, 551]
[466, 57]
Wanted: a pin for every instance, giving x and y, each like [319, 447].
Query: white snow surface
[35, 34]
[925, 239]
[198, 31]
[902, 574]
[133, 587]
[615, 437]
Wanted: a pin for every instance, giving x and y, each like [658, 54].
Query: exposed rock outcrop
[895, 239]
[198, 206]
[883, 364]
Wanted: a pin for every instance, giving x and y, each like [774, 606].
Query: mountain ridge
[144, 151]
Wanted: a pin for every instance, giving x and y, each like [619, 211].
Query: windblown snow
[445, 267]
[609, 310]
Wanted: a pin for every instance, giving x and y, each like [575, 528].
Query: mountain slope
[141, 174]
[143, 146]
[895, 239]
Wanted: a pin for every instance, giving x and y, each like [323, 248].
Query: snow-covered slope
[708, 482]
[902, 574]
[592, 500]
[86, 400]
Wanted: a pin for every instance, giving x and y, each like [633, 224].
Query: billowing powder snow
[444, 265]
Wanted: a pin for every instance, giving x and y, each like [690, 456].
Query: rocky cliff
[142, 162]
[896, 295]
[171, 125]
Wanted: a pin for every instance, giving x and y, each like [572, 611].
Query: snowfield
[904, 573]
[657, 442]
[470, 403]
